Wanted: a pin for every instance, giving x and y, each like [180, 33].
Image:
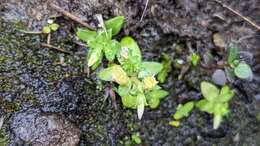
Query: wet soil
[33, 77]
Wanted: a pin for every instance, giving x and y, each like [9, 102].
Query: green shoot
[51, 27]
[215, 101]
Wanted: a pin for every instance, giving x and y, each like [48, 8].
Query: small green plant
[136, 78]
[166, 63]
[215, 101]
[194, 59]
[50, 27]
[183, 110]
[136, 138]
[100, 42]
[240, 68]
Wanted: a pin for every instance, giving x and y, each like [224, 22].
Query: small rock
[36, 128]
[219, 41]
[219, 77]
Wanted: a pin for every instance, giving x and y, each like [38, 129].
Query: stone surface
[219, 77]
[36, 128]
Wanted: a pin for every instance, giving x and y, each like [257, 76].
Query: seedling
[51, 27]
[194, 59]
[240, 68]
[136, 138]
[100, 42]
[215, 101]
[136, 78]
[166, 62]
[183, 110]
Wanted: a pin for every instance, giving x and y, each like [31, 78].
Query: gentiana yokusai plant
[240, 68]
[215, 101]
[136, 79]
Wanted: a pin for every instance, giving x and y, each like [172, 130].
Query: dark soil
[32, 78]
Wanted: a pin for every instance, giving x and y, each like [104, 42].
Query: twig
[49, 38]
[56, 48]
[145, 8]
[237, 13]
[30, 32]
[69, 15]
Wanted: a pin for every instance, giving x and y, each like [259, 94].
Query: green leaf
[129, 101]
[153, 98]
[221, 109]
[141, 101]
[232, 54]
[133, 49]
[200, 104]
[86, 35]
[149, 69]
[46, 29]
[166, 63]
[195, 59]
[136, 138]
[111, 49]
[206, 106]
[115, 24]
[243, 71]
[114, 73]
[93, 56]
[54, 26]
[123, 90]
[183, 110]
[209, 91]
[225, 94]
[217, 120]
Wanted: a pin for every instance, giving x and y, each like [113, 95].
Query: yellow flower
[149, 82]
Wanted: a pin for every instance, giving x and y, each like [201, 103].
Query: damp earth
[47, 98]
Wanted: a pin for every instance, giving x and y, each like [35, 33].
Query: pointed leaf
[115, 24]
[140, 105]
[209, 91]
[232, 54]
[149, 69]
[114, 73]
[86, 35]
[225, 94]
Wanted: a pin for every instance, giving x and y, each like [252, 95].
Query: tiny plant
[100, 42]
[50, 27]
[136, 79]
[136, 138]
[194, 58]
[183, 110]
[166, 62]
[215, 101]
[240, 68]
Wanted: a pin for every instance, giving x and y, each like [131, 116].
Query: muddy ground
[36, 85]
